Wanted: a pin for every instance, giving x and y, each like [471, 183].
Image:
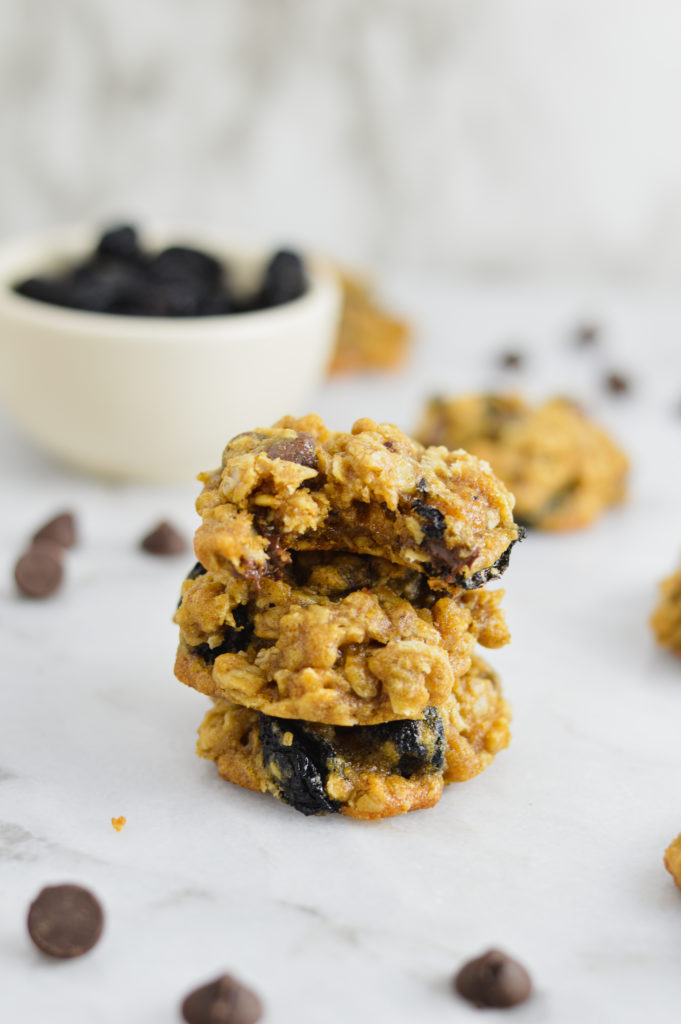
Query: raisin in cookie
[338, 638]
[366, 772]
[562, 468]
[298, 486]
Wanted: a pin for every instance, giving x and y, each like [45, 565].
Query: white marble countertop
[554, 853]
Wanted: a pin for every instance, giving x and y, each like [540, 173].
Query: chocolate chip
[61, 530]
[511, 360]
[65, 920]
[493, 979]
[223, 1001]
[301, 449]
[164, 540]
[587, 334]
[617, 383]
[39, 573]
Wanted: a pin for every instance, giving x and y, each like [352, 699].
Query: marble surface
[472, 136]
[554, 853]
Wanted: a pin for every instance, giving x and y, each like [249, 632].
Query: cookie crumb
[119, 823]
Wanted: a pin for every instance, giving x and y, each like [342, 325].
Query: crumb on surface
[119, 823]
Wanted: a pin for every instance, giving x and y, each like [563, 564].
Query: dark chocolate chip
[494, 980]
[617, 383]
[587, 334]
[65, 920]
[301, 767]
[120, 242]
[511, 360]
[39, 572]
[284, 279]
[164, 540]
[301, 449]
[223, 1001]
[61, 530]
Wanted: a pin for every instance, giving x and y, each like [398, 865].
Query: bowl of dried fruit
[128, 358]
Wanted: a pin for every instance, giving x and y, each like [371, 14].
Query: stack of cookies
[333, 614]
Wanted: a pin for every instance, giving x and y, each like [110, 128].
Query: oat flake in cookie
[334, 613]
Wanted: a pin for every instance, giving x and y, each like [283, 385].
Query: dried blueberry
[237, 638]
[483, 576]
[196, 571]
[180, 263]
[418, 744]
[44, 289]
[299, 762]
[433, 520]
[120, 242]
[284, 279]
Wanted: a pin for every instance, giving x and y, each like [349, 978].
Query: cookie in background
[563, 468]
[369, 336]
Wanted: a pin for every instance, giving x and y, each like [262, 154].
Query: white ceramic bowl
[154, 399]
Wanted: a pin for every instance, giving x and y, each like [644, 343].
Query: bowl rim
[71, 240]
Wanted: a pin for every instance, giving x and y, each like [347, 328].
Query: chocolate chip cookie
[299, 486]
[364, 772]
[563, 469]
[338, 638]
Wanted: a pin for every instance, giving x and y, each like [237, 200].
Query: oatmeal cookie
[298, 486]
[666, 619]
[369, 338]
[562, 468]
[672, 860]
[338, 638]
[366, 772]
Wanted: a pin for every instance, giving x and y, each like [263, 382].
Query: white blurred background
[520, 138]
